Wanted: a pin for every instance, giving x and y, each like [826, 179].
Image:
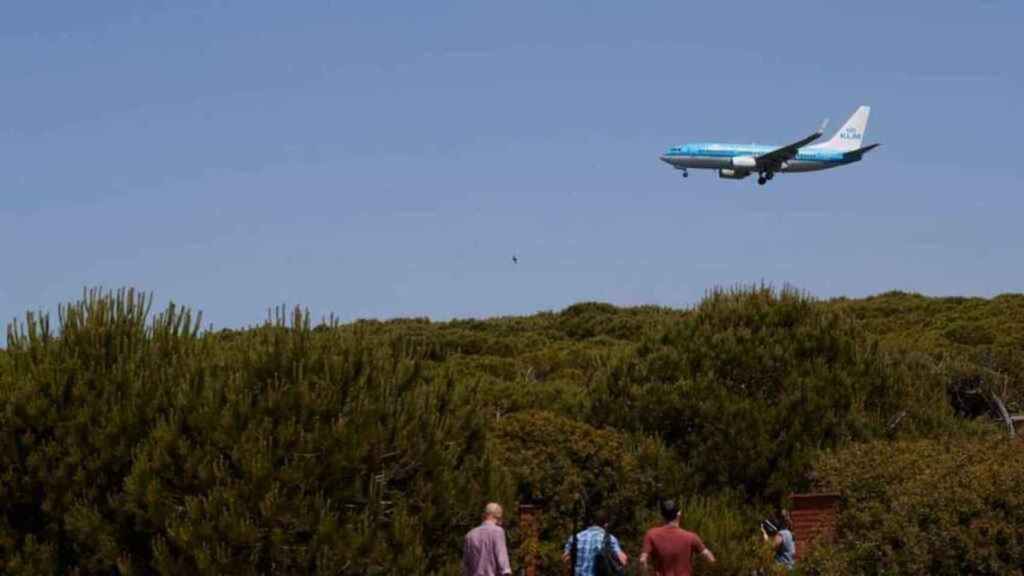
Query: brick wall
[813, 517]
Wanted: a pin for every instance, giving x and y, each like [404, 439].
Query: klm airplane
[737, 161]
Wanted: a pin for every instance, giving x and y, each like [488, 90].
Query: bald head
[492, 511]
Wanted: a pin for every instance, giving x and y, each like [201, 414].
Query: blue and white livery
[737, 161]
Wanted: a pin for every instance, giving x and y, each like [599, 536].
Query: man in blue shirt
[589, 543]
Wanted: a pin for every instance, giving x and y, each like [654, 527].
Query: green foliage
[752, 383]
[570, 468]
[136, 443]
[980, 342]
[941, 507]
[729, 527]
[150, 448]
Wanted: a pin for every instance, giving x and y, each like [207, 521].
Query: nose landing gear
[685, 173]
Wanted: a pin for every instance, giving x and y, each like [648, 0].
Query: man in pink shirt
[485, 552]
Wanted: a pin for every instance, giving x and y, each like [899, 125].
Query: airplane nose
[666, 159]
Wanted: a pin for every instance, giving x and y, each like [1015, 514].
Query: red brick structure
[528, 524]
[813, 518]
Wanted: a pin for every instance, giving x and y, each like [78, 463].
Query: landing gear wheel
[685, 173]
[761, 180]
[769, 175]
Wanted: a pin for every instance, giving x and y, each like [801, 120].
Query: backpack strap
[608, 559]
[574, 553]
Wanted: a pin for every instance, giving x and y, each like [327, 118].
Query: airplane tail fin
[851, 135]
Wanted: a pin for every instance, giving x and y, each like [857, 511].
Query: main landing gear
[765, 176]
[685, 173]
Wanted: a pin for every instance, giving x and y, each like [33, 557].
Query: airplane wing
[775, 158]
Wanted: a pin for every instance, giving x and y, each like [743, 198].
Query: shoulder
[692, 536]
[490, 533]
[485, 530]
[652, 531]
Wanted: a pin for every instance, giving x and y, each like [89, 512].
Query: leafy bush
[137, 443]
[945, 506]
[148, 448]
[982, 336]
[750, 385]
[570, 468]
[730, 528]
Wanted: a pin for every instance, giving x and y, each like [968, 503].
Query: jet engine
[733, 174]
[744, 162]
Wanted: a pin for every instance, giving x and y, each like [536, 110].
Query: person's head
[669, 510]
[493, 512]
[599, 518]
[785, 522]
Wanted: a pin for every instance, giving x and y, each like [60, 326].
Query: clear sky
[382, 159]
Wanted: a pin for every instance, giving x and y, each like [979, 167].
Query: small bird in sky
[515, 259]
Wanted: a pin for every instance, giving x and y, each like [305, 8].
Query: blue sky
[382, 159]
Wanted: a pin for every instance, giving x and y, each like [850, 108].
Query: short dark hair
[599, 517]
[669, 510]
[784, 520]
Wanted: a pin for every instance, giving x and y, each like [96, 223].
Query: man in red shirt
[669, 548]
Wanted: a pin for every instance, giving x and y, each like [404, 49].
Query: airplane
[737, 161]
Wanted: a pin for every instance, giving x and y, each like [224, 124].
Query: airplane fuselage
[715, 156]
[737, 161]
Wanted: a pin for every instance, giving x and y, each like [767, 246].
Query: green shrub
[987, 335]
[136, 442]
[939, 507]
[750, 385]
[145, 447]
[569, 468]
[730, 528]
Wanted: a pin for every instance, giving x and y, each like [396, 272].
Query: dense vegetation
[927, 507]
[136, 443]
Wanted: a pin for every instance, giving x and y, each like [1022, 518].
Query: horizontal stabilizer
[861, 151]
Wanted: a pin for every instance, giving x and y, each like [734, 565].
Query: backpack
[607, 562]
